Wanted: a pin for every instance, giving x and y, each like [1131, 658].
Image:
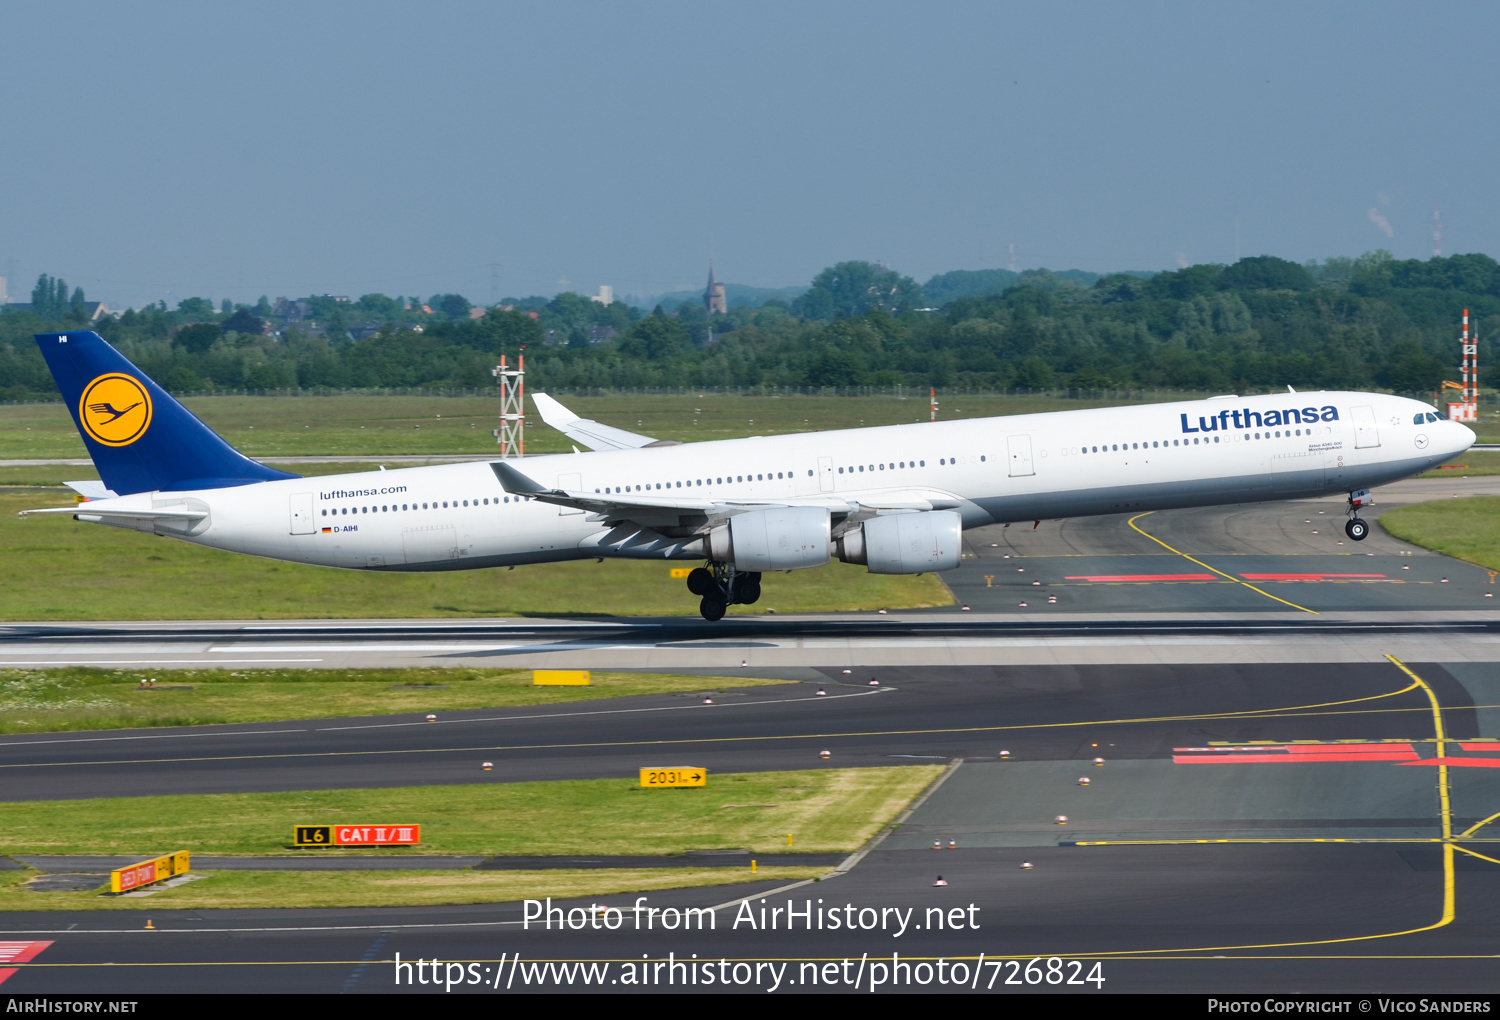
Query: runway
[915, 715]
[1275, 582]
[760, 645]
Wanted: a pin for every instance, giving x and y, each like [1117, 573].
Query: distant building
[606, 295]
[288, 312]
[601, 334]
[713, 298]
[477, 312]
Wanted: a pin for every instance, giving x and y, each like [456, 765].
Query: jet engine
[911, 543]
[781, 538]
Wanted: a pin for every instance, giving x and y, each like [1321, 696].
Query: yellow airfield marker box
[680, 572]
[147, 872]
[681, 775]
[559, 678]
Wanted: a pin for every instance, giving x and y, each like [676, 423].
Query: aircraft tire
[1356, 529]
[747, 588]
[712, 607]
[700, 581]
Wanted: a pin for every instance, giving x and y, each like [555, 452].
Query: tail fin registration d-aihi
[140, 438]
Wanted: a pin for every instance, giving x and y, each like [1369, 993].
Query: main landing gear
[721, 586]
[1355, 527]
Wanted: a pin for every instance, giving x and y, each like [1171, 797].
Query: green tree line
[1263, 323]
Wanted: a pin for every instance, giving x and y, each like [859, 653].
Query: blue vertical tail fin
[140, 438]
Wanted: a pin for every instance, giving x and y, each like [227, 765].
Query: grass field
[1466, 529]
[259, 889]
[1475, 462]
[381, 425]
[825, 810]
[51, 567]
[73, 698]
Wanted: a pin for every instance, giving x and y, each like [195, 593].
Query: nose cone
[1463, 437]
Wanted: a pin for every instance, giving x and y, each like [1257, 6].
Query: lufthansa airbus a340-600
[895, 498]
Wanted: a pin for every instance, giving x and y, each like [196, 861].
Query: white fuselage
[1016, 468]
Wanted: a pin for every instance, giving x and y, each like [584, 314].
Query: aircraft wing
[647, 510]
[640, 507]
[594, 435]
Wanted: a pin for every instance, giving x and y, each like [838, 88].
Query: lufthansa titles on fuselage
[1248, 419]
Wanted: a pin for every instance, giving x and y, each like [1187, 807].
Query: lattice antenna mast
[1437, 233]
[511, 435]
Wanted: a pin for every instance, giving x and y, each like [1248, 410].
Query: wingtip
[552, 411]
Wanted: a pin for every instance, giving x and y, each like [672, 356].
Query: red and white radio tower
[1437, 234]
[1468, 407]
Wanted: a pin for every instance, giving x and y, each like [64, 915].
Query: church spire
[714, 300]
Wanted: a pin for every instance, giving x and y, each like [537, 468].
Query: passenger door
[825, 474]
[1366, 432]
[302, 514]
[1020, 456]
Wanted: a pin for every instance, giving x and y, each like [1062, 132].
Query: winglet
[552, 412]
[593, 434]
[514, 481]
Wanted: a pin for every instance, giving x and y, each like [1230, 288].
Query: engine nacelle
[782, 538]
[911, 543]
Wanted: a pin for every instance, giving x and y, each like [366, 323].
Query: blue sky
[160, 150]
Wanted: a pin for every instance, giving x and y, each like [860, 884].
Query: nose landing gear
[1355, 527]
[720, 586]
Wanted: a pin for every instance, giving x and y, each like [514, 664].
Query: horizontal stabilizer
[123, 513]
[92, 489]
[594, 435]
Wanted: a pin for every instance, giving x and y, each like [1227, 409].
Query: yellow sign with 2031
[115, 409]
[682, 775]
